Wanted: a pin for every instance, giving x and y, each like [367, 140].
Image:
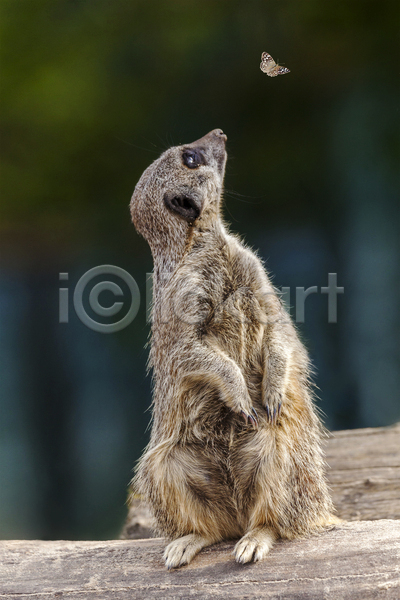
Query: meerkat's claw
[253, 422]
[272, 415]
[252, 419]
[181, 551]
[254, 546]
[273, 406]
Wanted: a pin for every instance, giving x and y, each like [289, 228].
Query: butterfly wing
[265, 58]
[267, 63]
[282, 70]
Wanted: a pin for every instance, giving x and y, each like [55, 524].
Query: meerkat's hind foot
[255, 545]
[181, 551]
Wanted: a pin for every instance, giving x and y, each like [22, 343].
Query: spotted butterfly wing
[269, 66]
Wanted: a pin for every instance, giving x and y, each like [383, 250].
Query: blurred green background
[92, 92]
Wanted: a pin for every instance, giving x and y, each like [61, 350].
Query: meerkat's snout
[214, 136]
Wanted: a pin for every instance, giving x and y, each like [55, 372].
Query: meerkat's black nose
[216, 136]
[219, 134]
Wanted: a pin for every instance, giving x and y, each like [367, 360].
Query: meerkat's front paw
[181, 551]
[254, 546]
[273, 405]
[241, 403]
[246, 410]
[250, 418]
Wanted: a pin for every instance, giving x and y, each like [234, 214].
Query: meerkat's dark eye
[193, 158]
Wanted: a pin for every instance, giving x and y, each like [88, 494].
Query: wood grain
[364, 473]
[354, 561]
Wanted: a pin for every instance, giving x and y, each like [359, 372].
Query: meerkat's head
[180, 190]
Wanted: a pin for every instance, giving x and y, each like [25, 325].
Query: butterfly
[269, 66]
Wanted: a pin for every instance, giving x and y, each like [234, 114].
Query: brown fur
[222, 345]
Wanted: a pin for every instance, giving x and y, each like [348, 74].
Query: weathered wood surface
[354, 561]
[363, 473]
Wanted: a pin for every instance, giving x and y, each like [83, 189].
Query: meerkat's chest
[220, 310]
[237, 324]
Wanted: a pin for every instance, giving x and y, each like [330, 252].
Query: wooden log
[354, 561]
[363, 473]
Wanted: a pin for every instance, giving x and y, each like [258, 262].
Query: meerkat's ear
[186, 206]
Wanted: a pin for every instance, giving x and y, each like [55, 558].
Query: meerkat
[235, 445]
